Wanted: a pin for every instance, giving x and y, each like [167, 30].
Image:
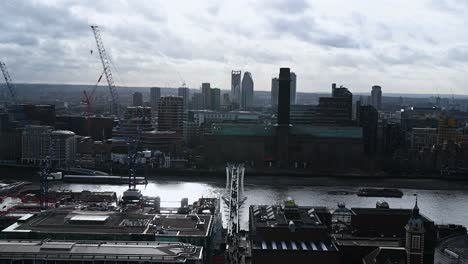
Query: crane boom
[9, 83]
[133, 150]
[107, 70]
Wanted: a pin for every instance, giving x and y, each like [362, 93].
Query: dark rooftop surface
[280, 216]
[183, 225]
[90, 222]
[168, 252]
[386, 211]
[86, 222]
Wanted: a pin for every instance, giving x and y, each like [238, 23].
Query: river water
[443, 206]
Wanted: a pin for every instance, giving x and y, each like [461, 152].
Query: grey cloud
[21, 40]
[383, 32]
[306, 29]
[338, 41]
[289, 6]
[452, 6]
[458, 54]
[401, 55]
[213, 10]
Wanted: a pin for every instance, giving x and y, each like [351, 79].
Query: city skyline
[325, 41]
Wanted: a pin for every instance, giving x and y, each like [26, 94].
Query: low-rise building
[50, 251]
[290, 234]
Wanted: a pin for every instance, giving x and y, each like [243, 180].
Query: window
[416, 242]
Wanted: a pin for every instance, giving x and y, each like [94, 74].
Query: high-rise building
[226, 100]
[283, 96]
[64, 147]
[236, 87]
[35, 143]
[367, 117]
[132, 121]
[247, 93]
[215, 94]
[292, 98]
[171, 114]
[197, 101]
[274, 93]
[137, 99]
[376, 97]
[337, 109]
[155, 94]
[282, 132]
[206, 93]
[184, 92]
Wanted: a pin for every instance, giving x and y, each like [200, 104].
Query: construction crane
[133, 151]
[87, 101]
[107, 71]
[46, 169]
[9, 83]
[133, 194]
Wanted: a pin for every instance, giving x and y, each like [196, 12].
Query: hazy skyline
[415, 46]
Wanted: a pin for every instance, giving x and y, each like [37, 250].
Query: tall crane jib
[9, 83]
[133, 150]
[107, 70]
[46, 169]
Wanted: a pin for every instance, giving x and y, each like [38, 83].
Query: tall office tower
[171, 114]
[64, 147]
[206, 93]
[367, 117]
[284, 96]
[247, 93]
[337, 109]
[226, 100]
[274, 93]
[137, 99]
[184, 92]
[376, 97]
[155, 94]
[282, 128]
[35, 143]
[197, 101]
[292, 97]
[215, 94]
[236, 88]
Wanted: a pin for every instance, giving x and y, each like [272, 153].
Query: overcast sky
[416, 46]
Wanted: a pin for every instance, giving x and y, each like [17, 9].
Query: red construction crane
[87, 101]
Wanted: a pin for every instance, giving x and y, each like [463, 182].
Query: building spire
[416, 208]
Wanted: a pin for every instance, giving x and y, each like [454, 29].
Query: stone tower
[415, 237]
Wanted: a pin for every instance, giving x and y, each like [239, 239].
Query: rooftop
[82, 222]
[262, 130]
[281, 216]
[295, 245]
[242, 130]
[385, 212]
[113, 223]
[76, 251]
[327, 131]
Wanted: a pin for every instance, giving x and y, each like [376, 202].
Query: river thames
[443, 206]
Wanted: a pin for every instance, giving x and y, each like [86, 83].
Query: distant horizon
[384, 94]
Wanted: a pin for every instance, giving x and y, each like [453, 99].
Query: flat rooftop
[295, 245]
[279, 216]
[113, 223]
[84, 222]
[387, 211]
[183, 225]
[167, 252]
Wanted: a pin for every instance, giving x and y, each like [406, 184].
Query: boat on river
[380, 192]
